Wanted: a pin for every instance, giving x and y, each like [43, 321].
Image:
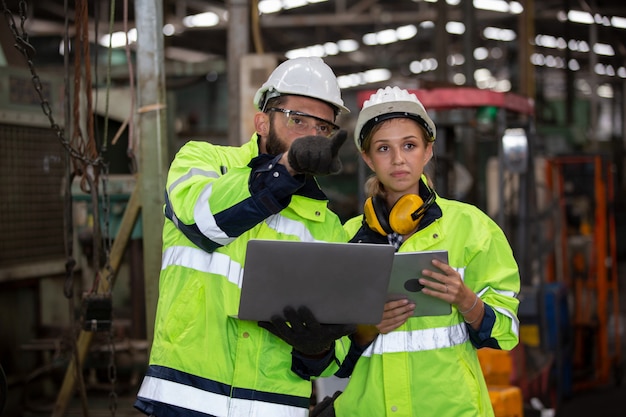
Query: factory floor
[600, 401]
[609, 401]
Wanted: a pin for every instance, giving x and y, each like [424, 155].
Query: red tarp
[450, 98]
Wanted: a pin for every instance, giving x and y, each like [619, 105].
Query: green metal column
[151, 136]
[238, 46]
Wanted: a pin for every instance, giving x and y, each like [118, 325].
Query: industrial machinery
[584, 261]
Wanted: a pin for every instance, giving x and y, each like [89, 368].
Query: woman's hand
[395, 314]
[450, 287]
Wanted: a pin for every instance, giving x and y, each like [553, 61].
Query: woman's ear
[367, 160]
[429, 152]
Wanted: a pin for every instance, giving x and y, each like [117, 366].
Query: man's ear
[262, 123]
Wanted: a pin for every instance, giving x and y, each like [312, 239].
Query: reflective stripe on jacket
[204, 361]
[428, 366]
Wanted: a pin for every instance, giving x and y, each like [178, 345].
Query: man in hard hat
[204, 361]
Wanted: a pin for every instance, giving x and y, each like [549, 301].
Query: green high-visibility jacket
[203, 361]
[429, 366]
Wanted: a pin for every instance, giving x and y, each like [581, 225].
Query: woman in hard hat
[427, 365]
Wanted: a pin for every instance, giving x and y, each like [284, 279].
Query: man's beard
[274, 145]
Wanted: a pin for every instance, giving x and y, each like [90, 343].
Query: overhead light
[503, 86]
[499, 34]
[549, 41]
[202, 20]
[292, 4]
[455, 28]
[600, 69]
[313, 50]
[605, 91]
[502, 6]
[275, 6]
[493, 5]
[458, 78]
[118, 39]
[573, 65]
[406, 32]
[329, 48]
[456, 59]
[366, 77]
[602, 20]
[618, 22]
[424, 65]
[388, 36]
[537, 59]
[481, 53]
[169, 29]
[348, 45]
[603, 49]
[578, 16]
[270, 6]
[610, 71]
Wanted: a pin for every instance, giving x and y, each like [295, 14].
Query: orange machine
[585, 262]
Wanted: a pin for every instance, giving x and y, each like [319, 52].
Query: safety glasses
[302, 123]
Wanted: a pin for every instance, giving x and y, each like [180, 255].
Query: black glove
[302, 330]
[325, 408]
[317, 155]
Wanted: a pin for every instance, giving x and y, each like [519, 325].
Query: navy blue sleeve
[482, 337]
[348, 364]
[306, 367]
[271, 187]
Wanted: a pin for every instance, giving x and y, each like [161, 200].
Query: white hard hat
[307, 76]
[390, 103]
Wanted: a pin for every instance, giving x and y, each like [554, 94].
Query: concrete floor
[609, 401]
[601, 401]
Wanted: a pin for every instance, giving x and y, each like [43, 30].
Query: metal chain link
[28, 51]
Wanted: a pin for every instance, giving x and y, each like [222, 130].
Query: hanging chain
[26, 49]
[78, 155]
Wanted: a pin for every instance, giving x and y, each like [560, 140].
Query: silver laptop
[407, 269]
[339, 282]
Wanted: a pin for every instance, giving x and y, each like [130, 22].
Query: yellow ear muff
[375, 212]
[400, 218]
